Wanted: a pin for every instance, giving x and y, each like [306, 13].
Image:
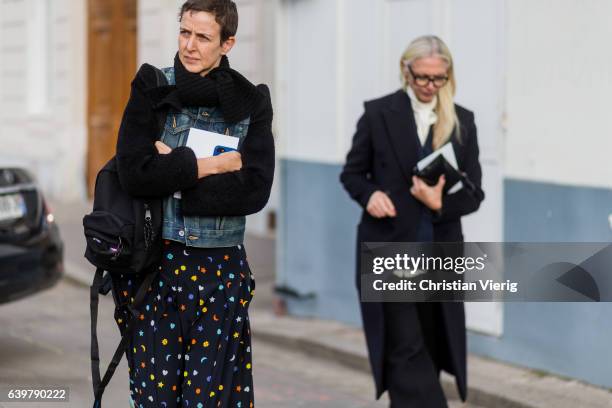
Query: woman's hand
[380, 205]
[162, 148]
[223, 163]
[431, 196]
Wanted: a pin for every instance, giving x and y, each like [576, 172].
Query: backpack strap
[160, 114]
[162, 80]
[97, 287]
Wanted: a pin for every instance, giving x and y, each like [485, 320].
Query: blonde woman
[410, 343]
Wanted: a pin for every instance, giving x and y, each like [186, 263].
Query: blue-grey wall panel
[571, 339]
[318, 225]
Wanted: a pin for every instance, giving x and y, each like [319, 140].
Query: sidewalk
[491, 384]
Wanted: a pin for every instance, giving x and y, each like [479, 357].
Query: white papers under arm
[203, 144]
[449, 154]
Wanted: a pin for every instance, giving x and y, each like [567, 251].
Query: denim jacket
[199, 231]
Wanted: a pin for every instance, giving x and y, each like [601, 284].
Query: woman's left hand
[162, 148]
[431, 196]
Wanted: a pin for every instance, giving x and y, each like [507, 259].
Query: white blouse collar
[417, 105]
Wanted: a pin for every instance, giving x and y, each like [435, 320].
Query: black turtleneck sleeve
[245, 191]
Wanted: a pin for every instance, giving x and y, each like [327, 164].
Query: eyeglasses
[424, 80]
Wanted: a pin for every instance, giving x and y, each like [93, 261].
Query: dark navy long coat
[384, 151]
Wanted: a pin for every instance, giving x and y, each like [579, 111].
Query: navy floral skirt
[192, 344]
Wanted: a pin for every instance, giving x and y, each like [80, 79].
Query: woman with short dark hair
[192, 345]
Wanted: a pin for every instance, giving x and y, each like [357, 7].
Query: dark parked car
[31, 250]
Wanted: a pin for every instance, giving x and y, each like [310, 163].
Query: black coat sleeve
[467, 200]
[245, 191]
[143, 172]
[356, 174]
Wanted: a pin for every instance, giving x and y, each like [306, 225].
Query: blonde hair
[432, 46]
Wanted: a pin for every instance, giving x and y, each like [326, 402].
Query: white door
[474, 30]
[477, 39]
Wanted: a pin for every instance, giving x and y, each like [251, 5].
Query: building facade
[536, 74]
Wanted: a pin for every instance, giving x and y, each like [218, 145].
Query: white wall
[306, 83]
[536, 74]
[253, 56]
[157, 31]
[559, 87]
[337, 54]
[42, 99]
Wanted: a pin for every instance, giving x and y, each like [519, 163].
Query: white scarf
[424, 115]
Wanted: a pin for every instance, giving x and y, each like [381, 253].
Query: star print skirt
[192, 344]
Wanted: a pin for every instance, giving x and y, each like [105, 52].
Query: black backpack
[122, 232]
[123, 235]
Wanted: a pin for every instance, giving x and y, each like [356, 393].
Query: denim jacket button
[181, 233]
[205, 114]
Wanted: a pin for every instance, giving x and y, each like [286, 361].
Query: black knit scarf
[222, 86]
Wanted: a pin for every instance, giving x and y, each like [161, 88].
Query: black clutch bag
[435, 169]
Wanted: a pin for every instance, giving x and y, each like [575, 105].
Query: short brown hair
[225, 12]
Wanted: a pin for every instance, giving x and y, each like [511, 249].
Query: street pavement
[44, 341]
